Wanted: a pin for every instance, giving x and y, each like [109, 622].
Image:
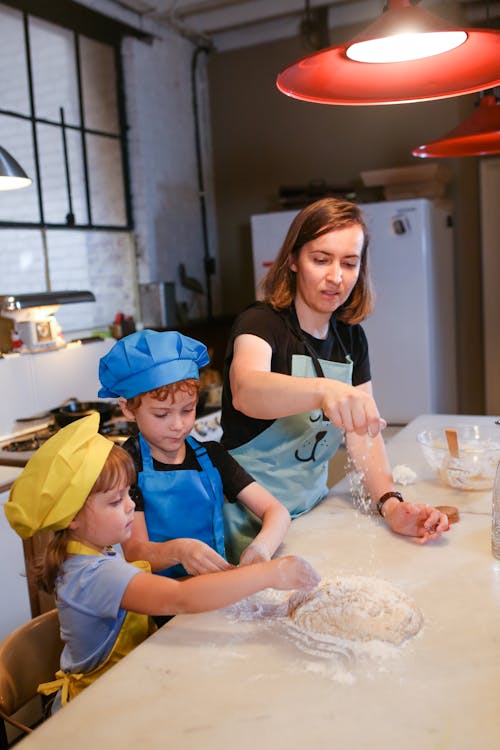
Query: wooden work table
[218, 681]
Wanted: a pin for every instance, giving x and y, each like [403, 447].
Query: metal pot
[77, 409]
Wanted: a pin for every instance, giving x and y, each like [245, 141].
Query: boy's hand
[197, 557]
[295, 573]
[254, 553]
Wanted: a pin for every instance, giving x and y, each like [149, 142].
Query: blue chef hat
[146, 360]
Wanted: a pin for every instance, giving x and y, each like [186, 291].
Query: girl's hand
[418, 520]
[197, 557]
[294, 573]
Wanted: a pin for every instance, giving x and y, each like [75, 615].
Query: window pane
[13, 73]
[54, 71]
[99, 86]
[21, 257]
[53, 174]
[102, 262]
[106, 181]
[16, 138]
[77, 176]
[54, 196]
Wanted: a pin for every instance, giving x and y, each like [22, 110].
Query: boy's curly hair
[191, 386]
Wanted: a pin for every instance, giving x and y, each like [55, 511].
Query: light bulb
[14, 183]
[404, 47]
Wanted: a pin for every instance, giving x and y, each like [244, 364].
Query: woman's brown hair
[326, 215]
[119, 468]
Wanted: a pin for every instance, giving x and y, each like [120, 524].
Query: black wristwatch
[385, 497]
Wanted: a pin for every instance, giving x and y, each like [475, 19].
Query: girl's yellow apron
[135, 629]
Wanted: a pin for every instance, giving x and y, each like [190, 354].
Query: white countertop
[218, 681]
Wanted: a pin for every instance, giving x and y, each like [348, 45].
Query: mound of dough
[357, 608]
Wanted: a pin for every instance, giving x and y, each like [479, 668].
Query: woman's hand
[262, 394]
[351, 409]
[417, 520]
[197, 557]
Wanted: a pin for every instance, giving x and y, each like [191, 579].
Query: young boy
[179, 526]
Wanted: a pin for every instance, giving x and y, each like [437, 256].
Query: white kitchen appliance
[33, 316]
[411, 333]
[36, 328]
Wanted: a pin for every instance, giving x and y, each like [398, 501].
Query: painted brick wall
[164, 190]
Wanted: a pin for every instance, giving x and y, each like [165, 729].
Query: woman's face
[327, 269]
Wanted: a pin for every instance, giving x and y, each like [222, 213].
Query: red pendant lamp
[478, 135]
[352, 73]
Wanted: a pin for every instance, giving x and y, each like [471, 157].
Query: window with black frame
[62, 117]
[61, 110]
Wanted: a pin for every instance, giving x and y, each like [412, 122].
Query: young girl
[77, 485]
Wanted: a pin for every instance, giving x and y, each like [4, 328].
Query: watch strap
[386, 497]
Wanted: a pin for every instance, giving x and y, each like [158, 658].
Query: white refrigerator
[411, 333]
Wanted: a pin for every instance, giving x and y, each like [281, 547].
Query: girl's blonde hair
[191, 386]
[321, 217]
[118, 469]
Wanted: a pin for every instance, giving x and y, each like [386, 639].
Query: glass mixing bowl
[478, 455]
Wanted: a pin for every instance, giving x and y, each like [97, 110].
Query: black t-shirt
[276, 328]
[234, 477]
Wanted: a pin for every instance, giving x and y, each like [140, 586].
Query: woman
[297, 375]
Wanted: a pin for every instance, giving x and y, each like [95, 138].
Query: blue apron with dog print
[290, 458]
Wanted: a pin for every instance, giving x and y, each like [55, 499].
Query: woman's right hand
[351, 408]
[294, 572]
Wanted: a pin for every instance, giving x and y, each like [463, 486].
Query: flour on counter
[356, 608]
[402, 474]
[338, 657]
[267, 605]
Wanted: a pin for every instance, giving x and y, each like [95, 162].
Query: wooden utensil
[451, 511]
[452, 440]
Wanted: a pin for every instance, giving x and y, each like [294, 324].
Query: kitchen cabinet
[18, 391]
[15, 609]
[30, 383]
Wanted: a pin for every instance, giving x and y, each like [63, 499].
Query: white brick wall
[164, 193]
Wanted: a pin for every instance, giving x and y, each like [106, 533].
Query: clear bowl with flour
[478, 455]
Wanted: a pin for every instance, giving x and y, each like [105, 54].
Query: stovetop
[17, 450]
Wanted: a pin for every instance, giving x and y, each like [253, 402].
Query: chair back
[28, 656]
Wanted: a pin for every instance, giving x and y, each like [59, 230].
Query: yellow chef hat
[57, 480]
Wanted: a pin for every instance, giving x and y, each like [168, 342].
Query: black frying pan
[64, 415]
